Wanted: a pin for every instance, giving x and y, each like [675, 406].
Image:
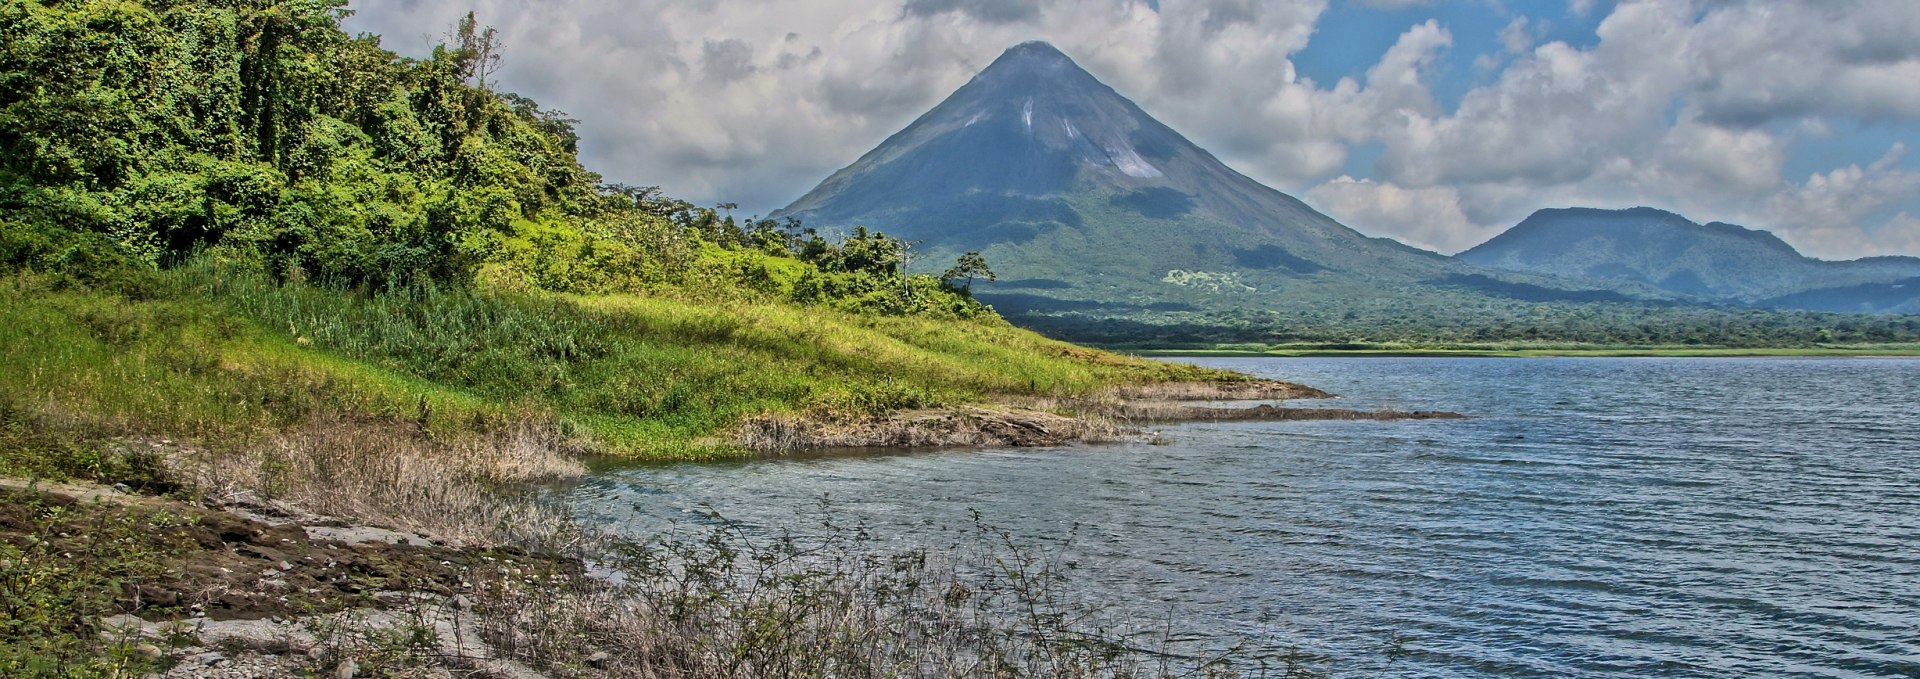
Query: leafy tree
[969, 266]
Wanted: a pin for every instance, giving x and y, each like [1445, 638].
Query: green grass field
[220, 355]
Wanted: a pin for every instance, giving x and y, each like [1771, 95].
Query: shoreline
[1114, 415]
[1556, 352]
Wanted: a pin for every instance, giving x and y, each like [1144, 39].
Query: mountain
[1107, 226]
[1083, 202]
[1713, 261]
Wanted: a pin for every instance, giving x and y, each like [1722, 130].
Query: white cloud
[1756, 63]
[1425, 217]
[1825, 214]
[1516, 36]
[1688, 106]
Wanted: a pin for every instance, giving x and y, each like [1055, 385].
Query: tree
[479, 50]
[967, 268]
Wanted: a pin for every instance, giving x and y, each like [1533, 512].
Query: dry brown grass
[1222, 390]
[721, 604]
[975, 427]
[468, 489]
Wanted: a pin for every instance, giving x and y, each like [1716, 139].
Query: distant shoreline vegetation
[1318, 319]
[1397, 350]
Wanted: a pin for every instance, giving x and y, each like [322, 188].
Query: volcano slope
[1102, 221]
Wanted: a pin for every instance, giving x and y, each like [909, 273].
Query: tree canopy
[135, 134]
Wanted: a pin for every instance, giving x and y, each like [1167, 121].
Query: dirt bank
[1112, 415]
[232, 563]
[230, 591]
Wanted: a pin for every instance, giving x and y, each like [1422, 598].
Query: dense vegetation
[202, 204]
[1440, 320]
[141, 135]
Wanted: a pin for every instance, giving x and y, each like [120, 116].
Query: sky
[1439, 123]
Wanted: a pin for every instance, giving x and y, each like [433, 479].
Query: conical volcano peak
[1035, 157]
[1035, 50]
[1035, 64]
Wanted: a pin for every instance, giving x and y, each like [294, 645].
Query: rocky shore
[1117, 414]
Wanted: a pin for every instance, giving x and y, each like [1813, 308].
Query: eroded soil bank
[1116, 414]
[218, 591]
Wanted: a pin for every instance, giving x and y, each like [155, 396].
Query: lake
[1595, 517]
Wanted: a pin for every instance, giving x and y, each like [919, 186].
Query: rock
[209, 659]
[461, 602]
[392, 597]
[599, 659]
[284, 566]
[347, 669]
[258, 635]
[122, 624]
[148, 651]
[180, 627]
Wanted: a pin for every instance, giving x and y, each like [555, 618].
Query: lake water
[1596, 517]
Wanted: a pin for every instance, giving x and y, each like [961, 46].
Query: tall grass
[216, 353]
[722, 601]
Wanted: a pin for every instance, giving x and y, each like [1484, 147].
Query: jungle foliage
[135, 135]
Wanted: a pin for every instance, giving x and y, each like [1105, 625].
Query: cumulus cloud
[1694, 105]
[1516, 36]
[1426, 217]
[991, 11]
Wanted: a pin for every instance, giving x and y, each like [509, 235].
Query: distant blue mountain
[1714, 261]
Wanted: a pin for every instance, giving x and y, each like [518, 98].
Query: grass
[211, 354]
[717, 600]
[437, 409]
[1518, 350]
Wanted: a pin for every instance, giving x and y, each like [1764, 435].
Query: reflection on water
[1599, 517]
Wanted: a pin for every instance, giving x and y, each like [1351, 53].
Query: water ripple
[1598, 517]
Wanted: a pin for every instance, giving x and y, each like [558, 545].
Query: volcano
[1085, 204]
[1036, 157]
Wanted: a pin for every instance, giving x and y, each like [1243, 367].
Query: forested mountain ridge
[1714, 261]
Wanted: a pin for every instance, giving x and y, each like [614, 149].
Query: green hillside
[223, 220]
